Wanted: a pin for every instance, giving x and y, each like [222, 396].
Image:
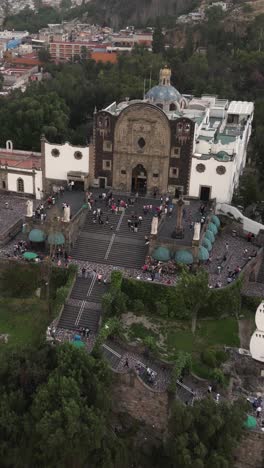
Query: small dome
[203, 254]
[212, 227]
[162, 254]
[207, 244]
[184, 256]
[37, 235]
[57, 238]
[162, 94]
[223, 156]
[216, 221]
[209, 235]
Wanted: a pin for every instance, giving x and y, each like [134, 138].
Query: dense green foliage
[181, 301]
[203, 436]
[19, 280]
[54, 410]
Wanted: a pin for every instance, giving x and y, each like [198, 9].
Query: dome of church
[163, 94]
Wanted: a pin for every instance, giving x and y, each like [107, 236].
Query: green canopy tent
[212, 227]
[78, 343]
[250, 422]
[184, 256]
[161, 254]
[29, 255]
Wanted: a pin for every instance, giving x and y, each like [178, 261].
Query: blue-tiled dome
[162, 93]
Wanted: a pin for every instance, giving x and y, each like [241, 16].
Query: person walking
[126, 363]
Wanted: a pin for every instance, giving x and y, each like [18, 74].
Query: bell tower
[165, 76]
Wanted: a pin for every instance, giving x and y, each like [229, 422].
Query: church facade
[170, 143]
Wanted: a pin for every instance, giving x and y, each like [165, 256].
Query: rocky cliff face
[119, 13]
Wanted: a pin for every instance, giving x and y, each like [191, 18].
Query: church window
[100, 122]
[200, 167]
[187, 128]
[107, 146]
[141, 143]
[107, 122]
[220, 170]
[179, 127]
[3, 184]
[107, 165]
[176, 152]
[20, 185]
[123, 171]
[159, 105]
[172, 107]
[155, 174]
[174, 172]
[55, 152]
[78, 155]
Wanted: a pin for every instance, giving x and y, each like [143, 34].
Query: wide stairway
[113, 243]
[83, 308]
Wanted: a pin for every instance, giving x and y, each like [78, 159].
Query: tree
[204, 435]
[193, 288]
[44, 55]
[158, 40]
[55, 410]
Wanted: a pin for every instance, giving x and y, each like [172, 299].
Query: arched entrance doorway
[139, 179]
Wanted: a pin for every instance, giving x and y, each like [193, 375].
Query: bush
[221, 356]
[218, 376]
[208, 358]
[150, 343]
[162, 309]
[138, 306]
[20, 280]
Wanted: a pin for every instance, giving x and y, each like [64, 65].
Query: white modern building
[20, 171]
[257, 339]
[65, 163]
[31, 173]
[220, 146]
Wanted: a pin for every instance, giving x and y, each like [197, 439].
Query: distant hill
[118, 13]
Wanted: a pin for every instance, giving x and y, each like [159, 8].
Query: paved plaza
[12, 209]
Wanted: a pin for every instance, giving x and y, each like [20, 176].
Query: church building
[169, 142]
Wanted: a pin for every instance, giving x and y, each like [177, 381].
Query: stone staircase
[83, 308]
[113, 243]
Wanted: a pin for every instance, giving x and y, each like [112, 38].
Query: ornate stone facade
[142, 150]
